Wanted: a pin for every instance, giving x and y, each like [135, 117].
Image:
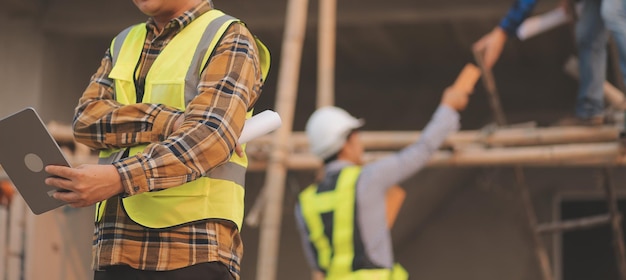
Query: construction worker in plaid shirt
[165, 110]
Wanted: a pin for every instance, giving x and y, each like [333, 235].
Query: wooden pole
[326, 53]
[616, 224]
[392, 140]
[590, 154]
[582, 223]
[17, 228]
[4, 232]
[287, 88]
[587, 154]
[556, 155]
[327, 29]
[531, 219]
[492, 92]
[501, 137]
[500, 119]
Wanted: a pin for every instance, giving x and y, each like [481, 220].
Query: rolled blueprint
[259, 125]
[538, 24]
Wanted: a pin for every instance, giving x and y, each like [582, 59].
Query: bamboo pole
[500, 119]
[589, 154]
[531, 217]
[4, 232]
[582, 223]
[501, 137]
[557, 155]
[586, 154]
[490, 85]
[327, 22]
[17, 233]
[391, 140]
[287, 87]
[327, 30]
[616, 223]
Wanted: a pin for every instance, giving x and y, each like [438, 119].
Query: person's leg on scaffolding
[591, 41]
[614, 15]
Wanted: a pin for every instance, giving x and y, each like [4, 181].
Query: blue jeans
[597, 19]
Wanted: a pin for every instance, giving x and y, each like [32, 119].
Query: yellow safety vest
[336, 257]
[173, 80]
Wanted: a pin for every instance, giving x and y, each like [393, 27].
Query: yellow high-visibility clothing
[329, 215]
[172, 80]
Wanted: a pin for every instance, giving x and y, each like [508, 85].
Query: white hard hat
[327, 130]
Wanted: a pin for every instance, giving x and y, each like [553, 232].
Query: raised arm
[491, 44]
[378, 176]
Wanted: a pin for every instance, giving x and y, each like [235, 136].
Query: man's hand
[239, 150]
[490, 47]
[86, 184]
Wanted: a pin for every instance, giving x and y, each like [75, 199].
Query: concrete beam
[70, 16]
[22, 7]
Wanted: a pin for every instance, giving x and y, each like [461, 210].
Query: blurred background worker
[342, 217]
[594, 22]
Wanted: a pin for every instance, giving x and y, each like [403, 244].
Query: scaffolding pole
[327, 26]
[500, 119]
[274, 187]
[616, 223]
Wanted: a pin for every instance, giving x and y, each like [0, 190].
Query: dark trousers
[203, 271]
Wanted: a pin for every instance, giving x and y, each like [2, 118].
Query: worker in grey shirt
[342, 217]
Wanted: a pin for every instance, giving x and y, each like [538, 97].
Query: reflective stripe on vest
[173, 80]
[336, 257]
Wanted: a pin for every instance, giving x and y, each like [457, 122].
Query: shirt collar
[336, 165]
[186, 18]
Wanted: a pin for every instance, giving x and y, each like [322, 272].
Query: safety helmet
[327, 130]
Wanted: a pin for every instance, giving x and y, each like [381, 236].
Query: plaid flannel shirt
[229, 87]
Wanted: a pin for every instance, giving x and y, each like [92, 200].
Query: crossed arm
[182, 146]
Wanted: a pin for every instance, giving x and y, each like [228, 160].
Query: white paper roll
[259, 125]
[538, 24]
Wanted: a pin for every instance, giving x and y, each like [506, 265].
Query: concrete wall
[21, 56]
[57, 244]
[69, 62]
